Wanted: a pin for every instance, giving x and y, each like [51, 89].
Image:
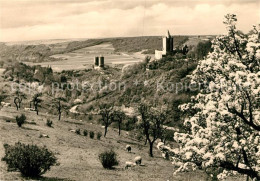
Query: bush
[99, 134]
[78, 131]
[108, 159]
[130, 123]
[168, 135]
[20, 120]
[133, 69]
[85, 132]
[49, 123]
[91, 134]
[139, 136]
[30, 160]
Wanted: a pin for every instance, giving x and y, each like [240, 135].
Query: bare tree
[59, 109]
[151, 124]
[18, 99]
[106, 112]
[58, 103]
[36, 101]
[119, 117]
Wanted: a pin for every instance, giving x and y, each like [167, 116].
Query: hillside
[149, 43]
[94, 87]
[78, 155]
[42, 52]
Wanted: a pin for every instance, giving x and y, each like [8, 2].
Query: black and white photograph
[130, 90]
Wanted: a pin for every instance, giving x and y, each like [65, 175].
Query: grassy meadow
[78, 155]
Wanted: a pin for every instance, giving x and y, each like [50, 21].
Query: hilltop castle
[99, 62]
[167, 47]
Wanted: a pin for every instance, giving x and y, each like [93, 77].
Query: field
[83, 58]
[75, 54]
[78, 55]
[78, 155]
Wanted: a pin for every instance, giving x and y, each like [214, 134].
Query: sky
[22, 20]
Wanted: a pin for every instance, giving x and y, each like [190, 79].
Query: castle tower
[167, 47]
[96, 61]
[167, 43]
[101, 61]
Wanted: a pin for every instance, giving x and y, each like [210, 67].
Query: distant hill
[43, 42]
[39, 51]
[148, 43]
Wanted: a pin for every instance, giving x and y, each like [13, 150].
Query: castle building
[99, 62]
[167, 49]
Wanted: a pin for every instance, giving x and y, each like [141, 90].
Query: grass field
[83, 58]
[115, 50]
[78, 155]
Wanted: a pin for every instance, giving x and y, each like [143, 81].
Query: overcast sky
[58, 19]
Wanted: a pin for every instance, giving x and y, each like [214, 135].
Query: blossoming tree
[223, 120]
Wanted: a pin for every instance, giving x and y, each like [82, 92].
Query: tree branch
[229, 166]
[250, 107]
[241, 115]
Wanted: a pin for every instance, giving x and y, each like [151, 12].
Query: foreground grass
[78, 155]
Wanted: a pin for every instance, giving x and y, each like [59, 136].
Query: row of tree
[36, 100]
[150, 123]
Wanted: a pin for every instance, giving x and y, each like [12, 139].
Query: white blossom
[227, 119]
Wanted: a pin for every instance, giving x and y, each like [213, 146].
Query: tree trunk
[16, 105]
[105, 131]
[151, 149]
[119, 128]
[20, 102]
[59, 110]
[145, 141]
[36, 109]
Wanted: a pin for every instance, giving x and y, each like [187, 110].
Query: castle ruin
[99, 62]
[167, 47]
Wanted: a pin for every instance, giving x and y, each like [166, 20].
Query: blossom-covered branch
[224, 124]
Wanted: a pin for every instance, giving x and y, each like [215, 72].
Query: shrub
[30, 160]
[20, 120]
[49, 123]
[108, 159]
[78, 131]
[139, 136]
[133, 69]
[85, 132]
[99, 134]
[91, 134]
[130, 123]
[168, 135]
